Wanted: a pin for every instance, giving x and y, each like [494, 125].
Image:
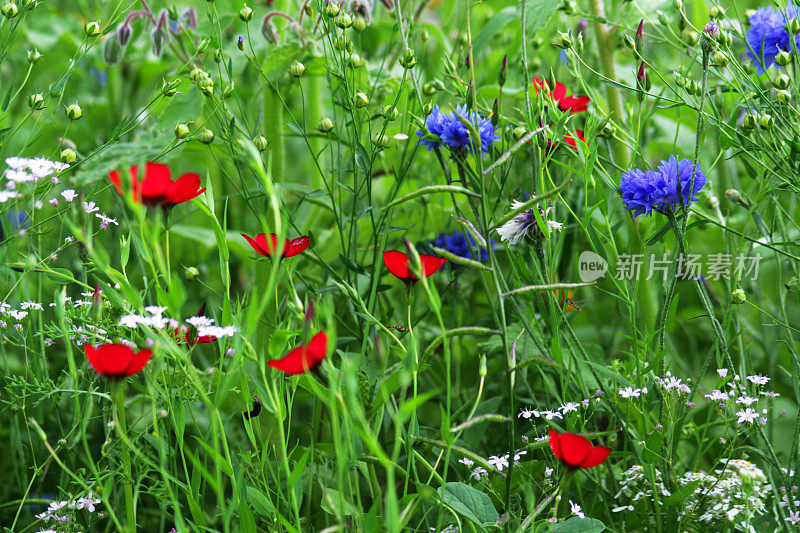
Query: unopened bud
[793, 25]
[691, 38]
[501, 77]
[391, 112]
[36, 101]
[297, 69]
[68, 155]
[203, 45]
[92, 29]
[715, 12]
[427, 107]
[218, 56]
[332, 9]
[381, 140]
[159, 37]
[782, 81]
[181, 131]
[228, 91]
[356, 61]
[325, 125]
[719, 59]
[739, 296]
[206, 137]
[189, 18]
[74, 111]
[260, 143]
[562, 40]
[409, 59]
[749, 121]
[360, 24]
[112, 51]
[783, 96]
[34, 56]
[270, 32]
[783, 58]
[733, 195]
[246, 14]
[360, 100]
[663, 19]
[344, 21]
[608, 130]
[124, 33]
[9, 10]
[191, 273]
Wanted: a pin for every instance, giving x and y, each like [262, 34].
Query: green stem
[273, 130]
[118, 391]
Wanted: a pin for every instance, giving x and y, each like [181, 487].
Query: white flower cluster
[55, 511]
[557, 413]
[155, 319]
[500, 462]
[23, 170]
[734, 394]
[671, 383]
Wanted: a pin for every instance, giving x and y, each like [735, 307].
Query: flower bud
[260, 143]
[783, 58]
[159, 37]
[663, 19]
[733, 195]
[9, 10]
[429, 89]
[409, 59]
[356, 61]
[793, 25]
[206, 137]
[719, 59]
[181, 131]
[783, 96]
[765, 122]
[342, 43]
[427, 107]
[608, 130]
[563, 40]
[74, 111]
[680, 81]
[691, 38]
[92, 29]
[380, 140]
[738, 296]
[297, 69]
[344, 21]
[782, 81]
[191, 274]
[196, 73]
[715, 12]
[749, 121]
[391, 112]
[112, 51]
[325, 125]
[246, 14]
[202, 45]
[68, 156]
[123, 34]
[34, 56]
[189, 18]
[227, 92]
[501, 77]
[360, 24]
[518, 133]
[170, 88]
[36, 101]
[628, 41]
[360, 100]
[218, 56]
[270, 32]
[332, 9]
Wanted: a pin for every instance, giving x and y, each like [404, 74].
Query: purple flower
[642, 191]
[452, 132]
[767, 35]
[456, 243]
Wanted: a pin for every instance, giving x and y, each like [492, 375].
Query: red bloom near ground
[575, 451]
[397, 263]
[266, 244]
[116, 361]
[157, 187]
[303, 358]
[571, 103]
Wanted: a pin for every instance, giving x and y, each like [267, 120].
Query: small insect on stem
[256, 409]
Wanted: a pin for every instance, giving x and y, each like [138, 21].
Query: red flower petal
[574, 449]
[114, 177]
[156, 184]
[303, 357]
[397, 263]
[554, 445]
[297, 246]
[431, 263]
[254, 243]
[185, 188]
[560, 92]
[596, 456]
[575, 104]
[94, 358]
[137, 363]
[115, 359]
[570, 138]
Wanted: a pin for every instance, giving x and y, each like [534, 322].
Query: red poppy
[157, 187]
[575, 451]
[304, 357]
[183, 334]
[397, 263]
[571, 103]
[265, 247]
[570, 138]
[116, 361]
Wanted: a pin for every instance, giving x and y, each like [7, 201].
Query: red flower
[116, 361]
[570, 138]
[304, 357]
[266, 247]
[571, 103]
[397, 263]
[575, 451]
[157, 187]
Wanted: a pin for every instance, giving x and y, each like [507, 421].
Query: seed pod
[738, 296]
[409, 59]
[381, 140]
[783, 96]
[344, 21]
[34, 56]
[783, 58]
[766, 122]
[391, 112]
[227, 92]
[260, 143]
[332, 9]
[360, 24]
[719, 59]
[563, 40]
[170, 88]
[691, 38]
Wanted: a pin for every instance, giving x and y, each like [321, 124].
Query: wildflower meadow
[399, 265]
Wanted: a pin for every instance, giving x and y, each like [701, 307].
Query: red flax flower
[266, 245]
[157, 188]
[116, 361]
[571, 103]
[575, 452]
[397, 263]
[304, 357]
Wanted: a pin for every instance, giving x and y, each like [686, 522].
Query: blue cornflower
[456, 243]
[645, 190]
[450, 130]
[767, 35]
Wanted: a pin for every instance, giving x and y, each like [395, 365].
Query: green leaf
[537, 14]
[469, 503]
[579, 525]
[682, 493]
[493, 27]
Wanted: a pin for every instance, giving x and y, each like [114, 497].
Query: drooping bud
[112, 51]
[181, 131]
[34, 56]
[388, 4]
[159, 37]
[189, 18]
[206, 137]
[246, 14]
[270, 31]
[325, 125]
[260, 143]
[74, 111]
[360, 100]
[68, 156]
[501, 78]
[297, 69]
[9, 10]
[92, 29]
[640, 36]
[36, 101]
[123, 34]
[563, 40]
